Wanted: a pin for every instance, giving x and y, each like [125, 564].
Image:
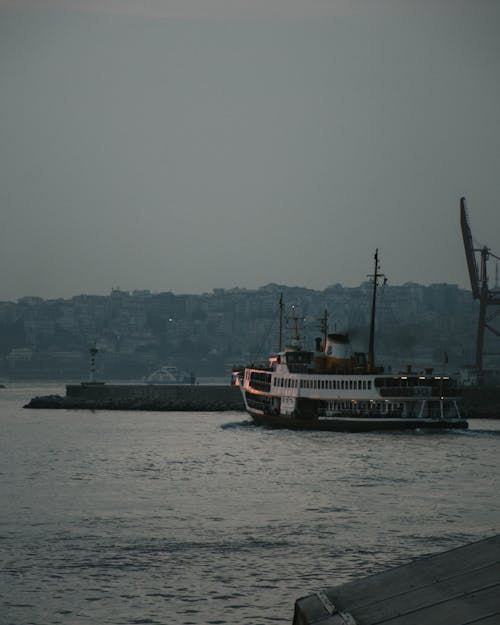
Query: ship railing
[415, 391]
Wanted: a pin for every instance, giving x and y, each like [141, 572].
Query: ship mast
[280, 331]
[371, 348]
[295, 319]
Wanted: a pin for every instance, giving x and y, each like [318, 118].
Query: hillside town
[137, 332]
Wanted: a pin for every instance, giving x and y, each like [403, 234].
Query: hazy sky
[190, 144]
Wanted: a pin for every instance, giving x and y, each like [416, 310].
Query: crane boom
[469, 250]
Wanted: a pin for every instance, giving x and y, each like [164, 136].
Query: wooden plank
[458, 587]
[457, 611]
[423, 572]
[450, 589]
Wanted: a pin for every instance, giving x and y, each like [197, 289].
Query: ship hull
[355, 424]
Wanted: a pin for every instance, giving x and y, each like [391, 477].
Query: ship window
[369, 384]
[350, 383]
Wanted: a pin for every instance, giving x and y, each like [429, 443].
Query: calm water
[178, 518]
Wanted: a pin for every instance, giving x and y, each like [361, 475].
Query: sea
[184, 518]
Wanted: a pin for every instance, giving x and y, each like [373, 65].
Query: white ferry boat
[332, 388]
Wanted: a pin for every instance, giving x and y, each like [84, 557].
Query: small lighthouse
[93, 351]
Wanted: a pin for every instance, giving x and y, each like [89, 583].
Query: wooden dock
[457, 587]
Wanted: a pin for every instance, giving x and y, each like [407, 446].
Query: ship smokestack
[338, 347]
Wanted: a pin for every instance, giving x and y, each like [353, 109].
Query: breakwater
[185, 397]
[480, 403]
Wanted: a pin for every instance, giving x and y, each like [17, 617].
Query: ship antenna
[376, 275]
[280, 332]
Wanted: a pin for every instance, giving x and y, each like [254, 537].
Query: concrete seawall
[194, 397]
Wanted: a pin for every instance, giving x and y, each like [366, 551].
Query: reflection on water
[129, 517]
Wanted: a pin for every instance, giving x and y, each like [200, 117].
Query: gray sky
[186, 145]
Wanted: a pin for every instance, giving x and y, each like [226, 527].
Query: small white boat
[168, 375]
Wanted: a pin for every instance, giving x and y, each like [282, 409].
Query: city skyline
[189, 146]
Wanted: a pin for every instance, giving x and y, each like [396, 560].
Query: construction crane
[480, 289]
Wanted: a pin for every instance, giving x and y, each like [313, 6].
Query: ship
[335, 388]
[169, 375]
